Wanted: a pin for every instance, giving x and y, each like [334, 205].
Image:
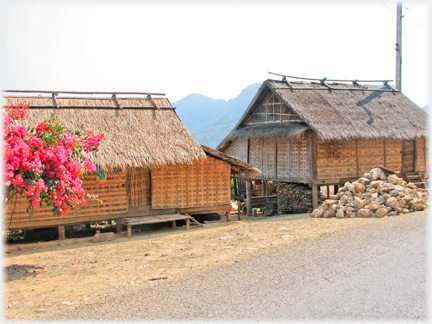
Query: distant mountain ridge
[210, 120]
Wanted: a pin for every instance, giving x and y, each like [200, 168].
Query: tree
[44, 164]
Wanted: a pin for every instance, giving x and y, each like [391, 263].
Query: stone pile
[377, 194]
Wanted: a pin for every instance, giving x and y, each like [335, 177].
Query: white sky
[216, 48]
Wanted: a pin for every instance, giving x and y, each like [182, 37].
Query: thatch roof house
[153, 164]
[326, 132]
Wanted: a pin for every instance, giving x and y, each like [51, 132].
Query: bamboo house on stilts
[321, 133]
[148, 163]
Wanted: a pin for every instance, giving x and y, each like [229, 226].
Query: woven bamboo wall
[239, 149]
[138, 187]
[269, 157]
[293, 158]
[113, 195]
[336, 159]
[204, 183]
[256, 153]
[394, 154]
[370, 155]
[421, 154]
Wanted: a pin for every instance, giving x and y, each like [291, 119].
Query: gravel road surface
[372, 272]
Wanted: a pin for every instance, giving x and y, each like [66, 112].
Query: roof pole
[399, 46]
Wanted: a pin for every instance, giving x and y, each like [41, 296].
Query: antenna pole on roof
[398, 44]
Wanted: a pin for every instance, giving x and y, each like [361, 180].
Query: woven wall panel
[336, 159]
[421, 154]
[256, 152]
[394, 154]
[138, 187]
[113, 195]
[204, 183]
[370, 155]
[293, 158]
[238, 149]
[269, 157]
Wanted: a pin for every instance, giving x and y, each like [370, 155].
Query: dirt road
[80, 273]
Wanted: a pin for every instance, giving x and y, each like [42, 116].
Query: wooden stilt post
[61, 232]
[248, 197]
[314, 196]
[129, 230]
[187, 223]
[119, 227]
[173, 224]
[228, 215]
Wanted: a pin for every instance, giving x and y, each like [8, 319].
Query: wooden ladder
[416, 178]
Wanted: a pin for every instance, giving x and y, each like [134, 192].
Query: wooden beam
[276, 159]
[248, 150]
[415, 154]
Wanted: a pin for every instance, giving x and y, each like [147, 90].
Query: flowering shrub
[44, 164]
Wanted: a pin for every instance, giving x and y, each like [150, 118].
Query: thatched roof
[237, 165]
[337, 111]
[138, 135]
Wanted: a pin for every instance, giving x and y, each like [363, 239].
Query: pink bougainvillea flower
[45, 164]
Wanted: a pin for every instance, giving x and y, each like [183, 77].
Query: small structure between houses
[148, 163]
[320, 133]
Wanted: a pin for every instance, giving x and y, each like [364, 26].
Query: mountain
[426, 108]
[210, 120]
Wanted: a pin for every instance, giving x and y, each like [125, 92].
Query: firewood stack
[270, 208]
[294, 197]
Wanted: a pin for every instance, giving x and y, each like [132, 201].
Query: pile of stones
[377, 194]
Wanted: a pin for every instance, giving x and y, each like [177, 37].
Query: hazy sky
[216, 48]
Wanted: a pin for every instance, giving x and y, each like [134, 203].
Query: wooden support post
[129, 230]
[314, 196]
[328, 192]
[255, 212]
[173, 224]
[187, 223]
[61, 232]
[228, 215]
[266, 190]
[119, 227]
[248, 197]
